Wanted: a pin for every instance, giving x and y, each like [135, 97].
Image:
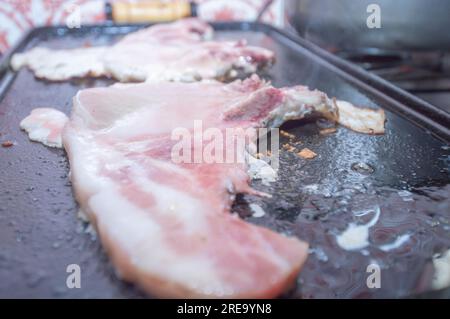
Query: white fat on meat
[179, 51]
[301, 101]
[167, 225]
[45, 125]
[185, 62]
[362, 120]
[59, 65]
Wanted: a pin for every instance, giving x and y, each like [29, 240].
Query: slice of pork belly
[177, 51]
[165, 224]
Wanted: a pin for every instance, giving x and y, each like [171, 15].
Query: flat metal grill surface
[40, 234]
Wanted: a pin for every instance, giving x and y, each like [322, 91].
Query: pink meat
[166, 224]
[182, 50]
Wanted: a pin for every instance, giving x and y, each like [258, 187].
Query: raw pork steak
[167, 225]
[177, 51]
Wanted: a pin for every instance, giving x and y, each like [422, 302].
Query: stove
[424, 74]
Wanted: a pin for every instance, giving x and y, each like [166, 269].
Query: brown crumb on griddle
[327, 131]
[288, 147]
[306, 153]
[7, 144]
[286, 134]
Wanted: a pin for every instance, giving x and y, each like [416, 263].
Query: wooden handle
[149, 11]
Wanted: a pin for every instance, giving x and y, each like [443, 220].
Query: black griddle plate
[40, 234]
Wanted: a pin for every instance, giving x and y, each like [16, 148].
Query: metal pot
[405, 24]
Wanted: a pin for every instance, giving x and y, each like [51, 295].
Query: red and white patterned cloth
[17, 16]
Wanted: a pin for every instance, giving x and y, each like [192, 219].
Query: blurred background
[17, 16]
[407, 42]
